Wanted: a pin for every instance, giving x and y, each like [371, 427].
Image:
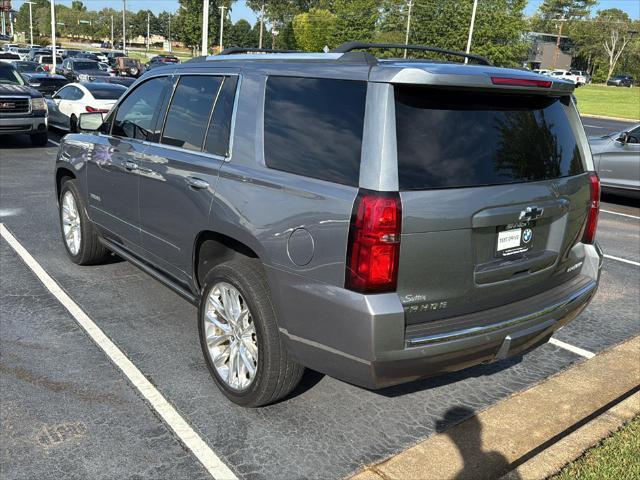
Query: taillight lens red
[374, 242]
[95, 110]
[589, 235]
[521, 82]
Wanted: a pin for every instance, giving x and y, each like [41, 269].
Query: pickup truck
[22, 108]
[578, 80]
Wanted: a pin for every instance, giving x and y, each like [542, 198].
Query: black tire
[73, 124]
[277, 373]
[39, 139]
[91, 251]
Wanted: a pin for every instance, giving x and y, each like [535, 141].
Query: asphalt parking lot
[67, 411]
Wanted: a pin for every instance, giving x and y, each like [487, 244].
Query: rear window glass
[106, 92]
[85, 66]
[313, 127]
[464, 139]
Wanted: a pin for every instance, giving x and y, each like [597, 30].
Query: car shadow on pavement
[620, 200]
[477, 463]
[17, 142]
[446, 379]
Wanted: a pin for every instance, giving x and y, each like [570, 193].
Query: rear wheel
[240, 338]
[79, 236]
[39, 139]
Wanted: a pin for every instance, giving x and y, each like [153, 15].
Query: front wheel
[239, 336]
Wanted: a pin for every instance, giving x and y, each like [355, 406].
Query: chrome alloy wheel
[231, 336]
[71, 223]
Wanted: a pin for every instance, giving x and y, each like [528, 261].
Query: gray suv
[377, 220]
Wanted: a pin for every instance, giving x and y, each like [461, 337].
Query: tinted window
[220, 126]
[313, 127]
[136, 116]
[189, 111]
[85, 65]
[73, 93]
[105, 92]
[456, 139]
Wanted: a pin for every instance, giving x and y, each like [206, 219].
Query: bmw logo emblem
[527, 235]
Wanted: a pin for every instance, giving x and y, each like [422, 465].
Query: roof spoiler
[350, 46]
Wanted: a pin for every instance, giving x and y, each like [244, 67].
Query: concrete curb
[509, 434]
[617, 119]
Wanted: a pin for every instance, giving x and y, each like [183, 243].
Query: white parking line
[182, 429]
[593, 126]
[624, 260]
[54, 142]
[621, 214]
[577, 350]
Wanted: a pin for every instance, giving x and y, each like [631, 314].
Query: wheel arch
[61, 174]
[212, 248]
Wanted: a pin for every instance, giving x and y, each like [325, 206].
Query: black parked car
[80, 70]
[36, 77]
[621, 81]
[88, 56]
[162, 60]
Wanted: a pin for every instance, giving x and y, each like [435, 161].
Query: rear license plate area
[514, 239]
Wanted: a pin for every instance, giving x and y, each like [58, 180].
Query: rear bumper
[362, 339]
[10, 125]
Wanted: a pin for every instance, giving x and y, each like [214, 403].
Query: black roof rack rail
[350, 46]
[235, 50]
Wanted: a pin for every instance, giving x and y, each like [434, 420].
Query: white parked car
[101, 57]
[70, 101]
[579, 80]
[105, 67]
[542, 71]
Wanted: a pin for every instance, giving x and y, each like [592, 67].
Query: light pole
[261, 24]
[30, 21]
[124, 35]
[147, 31]
[222, 9]
[473, 22]
[112, 33]
[169, 33]
[406, 37]
[562, 19]
[205, 27]
[53, 35]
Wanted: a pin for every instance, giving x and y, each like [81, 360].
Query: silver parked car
[377, 220]
[617, 159]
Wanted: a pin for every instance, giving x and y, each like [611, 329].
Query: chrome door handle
[197, 183]
[130, 166]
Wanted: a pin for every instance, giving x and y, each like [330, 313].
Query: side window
[74, 94]
[137, 114]
[313, 127]
[189, 112]
[62, 93]
[634, 135]
[220, 125]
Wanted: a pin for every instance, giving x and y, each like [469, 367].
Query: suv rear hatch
[495, 193]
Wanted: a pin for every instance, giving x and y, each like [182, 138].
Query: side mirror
[623, 138]
[91, 121]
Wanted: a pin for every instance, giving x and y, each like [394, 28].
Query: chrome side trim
[580, 295]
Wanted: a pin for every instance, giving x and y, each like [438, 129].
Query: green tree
[498, 32]
[355, 20]
[241, 34]
[568, 9]
[314, 29]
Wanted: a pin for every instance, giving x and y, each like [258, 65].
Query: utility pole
[406, 37]
[222, 9]
[147, 30]
[30, 22]
[261, 24]
[557, 52]
[169, 33]
[112, 33]
[53, 35]
[473, 22]
[205, 27]
[124, 34]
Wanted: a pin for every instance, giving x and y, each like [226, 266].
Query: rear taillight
[374, 242]
[95, 110]
[589, 235]
[521, 82]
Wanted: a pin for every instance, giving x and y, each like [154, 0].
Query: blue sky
[240, 10]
